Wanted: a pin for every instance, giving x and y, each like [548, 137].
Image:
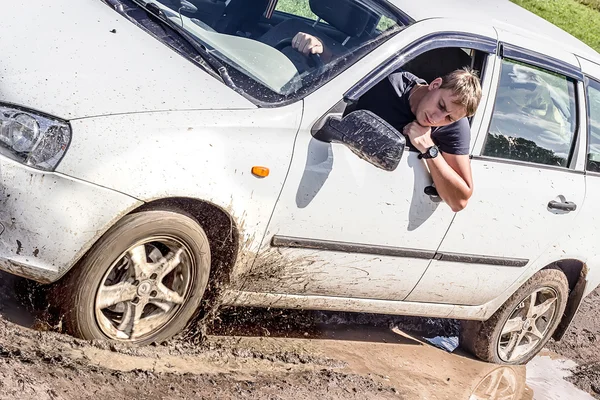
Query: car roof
[501, 14]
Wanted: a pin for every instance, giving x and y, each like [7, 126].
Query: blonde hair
[465, 85]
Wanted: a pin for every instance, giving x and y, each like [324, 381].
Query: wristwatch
[431, 152]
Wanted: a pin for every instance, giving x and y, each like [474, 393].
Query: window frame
[534, 59]
[423, 44]
[588, 109]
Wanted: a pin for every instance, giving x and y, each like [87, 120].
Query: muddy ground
[258, 354]
[582, 344]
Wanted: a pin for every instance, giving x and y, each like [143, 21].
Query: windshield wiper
[207, 60]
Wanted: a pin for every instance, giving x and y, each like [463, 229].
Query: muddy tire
[523, 325]
[140, 283]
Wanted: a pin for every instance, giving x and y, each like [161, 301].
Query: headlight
[36, 140]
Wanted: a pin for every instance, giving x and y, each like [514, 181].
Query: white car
[157, 153]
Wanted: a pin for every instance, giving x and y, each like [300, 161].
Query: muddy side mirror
[367, 135]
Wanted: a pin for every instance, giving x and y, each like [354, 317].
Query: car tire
[140, 283]
[517, 332]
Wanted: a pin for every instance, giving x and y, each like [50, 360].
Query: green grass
[581, 18]
[595, 4]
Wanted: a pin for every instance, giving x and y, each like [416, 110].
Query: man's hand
[307, 44]
[420, 136]
[451, 173]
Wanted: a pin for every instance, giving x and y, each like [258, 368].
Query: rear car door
[527, 188]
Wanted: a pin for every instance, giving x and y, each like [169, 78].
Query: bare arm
[451, 173]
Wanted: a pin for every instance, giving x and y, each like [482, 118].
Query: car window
[296, 7]
[253, 40]
[534, 117]
[593, 162]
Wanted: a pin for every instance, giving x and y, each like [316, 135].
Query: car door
[341, 226]
[587, 238]
[528, 189]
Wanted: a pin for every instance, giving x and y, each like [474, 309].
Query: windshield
[255, 38]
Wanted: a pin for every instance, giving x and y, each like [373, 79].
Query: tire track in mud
[47, 365]
[41, 364]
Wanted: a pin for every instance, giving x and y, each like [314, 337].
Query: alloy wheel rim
[500, 384]
[527, 325]
[144, 288]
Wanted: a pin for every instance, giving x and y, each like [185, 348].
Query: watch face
[433, 151]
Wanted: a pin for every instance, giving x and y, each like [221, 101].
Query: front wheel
[141, 282]
[523, 325]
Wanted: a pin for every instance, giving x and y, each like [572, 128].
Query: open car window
[252, 38]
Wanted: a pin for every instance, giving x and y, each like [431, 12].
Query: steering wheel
[315, 59]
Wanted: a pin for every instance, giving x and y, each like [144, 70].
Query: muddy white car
[155, 154]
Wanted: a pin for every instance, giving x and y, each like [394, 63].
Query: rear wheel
[523, 325]
[500, 383]
[141, 282]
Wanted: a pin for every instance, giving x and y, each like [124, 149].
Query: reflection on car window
[534, 116]
[296, 7]
[593, 163]
[255, 42]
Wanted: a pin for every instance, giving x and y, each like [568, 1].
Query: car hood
[76, 59]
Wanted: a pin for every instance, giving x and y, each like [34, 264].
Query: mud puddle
[349, 363]
[266, 354]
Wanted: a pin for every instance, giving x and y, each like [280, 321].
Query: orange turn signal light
[260, 171]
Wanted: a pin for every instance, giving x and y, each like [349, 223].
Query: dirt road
[262, 355]
[582, 344]
[343, 363]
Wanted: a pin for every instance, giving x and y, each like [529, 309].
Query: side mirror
[368, 136]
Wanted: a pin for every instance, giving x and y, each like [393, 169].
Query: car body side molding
[331, 245]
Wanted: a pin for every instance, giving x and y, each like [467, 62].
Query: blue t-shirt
[389, 100]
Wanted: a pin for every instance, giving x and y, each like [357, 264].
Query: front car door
[342, 227]
[529, 186]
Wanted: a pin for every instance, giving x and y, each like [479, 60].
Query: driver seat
[347, 16]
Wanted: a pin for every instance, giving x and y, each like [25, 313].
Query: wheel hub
[145, 288]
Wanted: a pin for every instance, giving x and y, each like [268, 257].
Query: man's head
[449, 98]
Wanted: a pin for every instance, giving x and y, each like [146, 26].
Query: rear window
[593, 158]
[535, 116]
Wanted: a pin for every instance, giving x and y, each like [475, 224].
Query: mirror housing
[367, 135]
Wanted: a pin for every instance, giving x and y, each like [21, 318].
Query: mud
[262, 354]
[248, 353]
[48, 365]
[581, 343]
[587, 378]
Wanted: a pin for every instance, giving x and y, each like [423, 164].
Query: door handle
[431, 191]
[563, 206]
